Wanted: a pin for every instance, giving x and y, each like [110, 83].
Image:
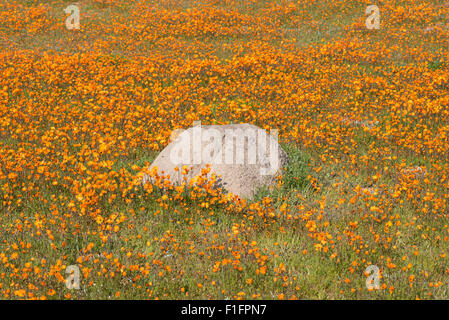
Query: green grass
[182, 241]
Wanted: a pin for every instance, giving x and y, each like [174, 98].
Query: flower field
[363, 114]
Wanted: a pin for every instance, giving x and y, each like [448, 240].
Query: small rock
[418, 172]
[368, 124]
